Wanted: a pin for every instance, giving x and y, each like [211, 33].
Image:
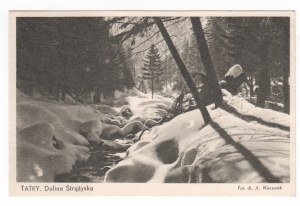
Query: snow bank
[48, 138]
[242, 107]
[52, 136]
[227, 150]
[41, 154]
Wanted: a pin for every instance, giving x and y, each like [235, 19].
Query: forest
[93, 57]
[153, 99]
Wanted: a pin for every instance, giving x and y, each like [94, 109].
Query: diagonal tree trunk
[185, 74]
[207, 61]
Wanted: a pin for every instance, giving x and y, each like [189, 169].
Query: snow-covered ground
[52, 137]
[229, 149]
[48, 138]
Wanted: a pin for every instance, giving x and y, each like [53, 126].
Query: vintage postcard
[152, 103]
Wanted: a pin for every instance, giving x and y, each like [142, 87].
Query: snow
[234, 71]
[229, 149]
[246, 109]
[147, 108]
[38, 160]
[52, 137]
[48, 139]
[239, 145]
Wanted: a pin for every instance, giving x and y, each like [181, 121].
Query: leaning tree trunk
[185, 74]
[264, 79]
[207, 61]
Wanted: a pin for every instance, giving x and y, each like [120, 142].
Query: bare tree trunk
[286, 89]
[152, 87]
[133, 69]
[264, 79]
[185, 74]
[57, 91]
[286, 67]
[166, 72]
[126, 71]
[251, 86]
[96, 97]
[207, 61]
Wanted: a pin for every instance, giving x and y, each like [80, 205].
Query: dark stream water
[101, 159]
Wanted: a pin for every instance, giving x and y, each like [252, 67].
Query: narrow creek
[101, 159]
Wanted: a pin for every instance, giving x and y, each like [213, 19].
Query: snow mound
[147, 108]
[52, 136]
[49, 142]
[104, 109]
[245, 109]
[228, 149]
[234, 71]
[91, 130]
[41, 154]
[21, 97]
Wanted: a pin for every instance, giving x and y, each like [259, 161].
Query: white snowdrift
[52, 136]
[48, 139]
[246, 109]
[227, 150]
[41, 155]
[146, 108]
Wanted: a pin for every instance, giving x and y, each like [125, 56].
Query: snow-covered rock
[92, 130]
[41, 154]
[147, 108]
[234, 71]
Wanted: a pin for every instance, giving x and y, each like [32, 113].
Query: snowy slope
[265, 116]
[229, 149]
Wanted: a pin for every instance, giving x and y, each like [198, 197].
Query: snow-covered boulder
[41, 154]
[147, 108]
[92, 130]
[104, 109]
[234, 71]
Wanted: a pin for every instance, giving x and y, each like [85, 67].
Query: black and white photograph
[173, 99]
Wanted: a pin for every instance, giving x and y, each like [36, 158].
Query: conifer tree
[152, 69]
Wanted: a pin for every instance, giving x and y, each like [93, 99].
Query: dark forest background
[95, 56]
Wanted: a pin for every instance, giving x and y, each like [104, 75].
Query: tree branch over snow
[137, 26]
[149, 47]
[157, 32]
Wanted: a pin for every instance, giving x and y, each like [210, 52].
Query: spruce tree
[152, 70]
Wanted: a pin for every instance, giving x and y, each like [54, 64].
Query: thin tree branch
[157, 33]
[148, 47]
